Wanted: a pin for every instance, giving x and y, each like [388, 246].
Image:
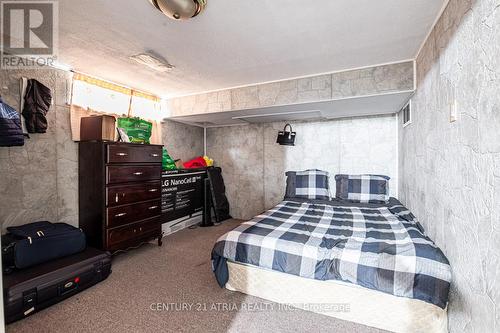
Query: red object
[198, 162]
[77, 279]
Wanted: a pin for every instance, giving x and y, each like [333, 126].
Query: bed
[364, 262]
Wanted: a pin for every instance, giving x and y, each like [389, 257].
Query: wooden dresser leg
[160, 242]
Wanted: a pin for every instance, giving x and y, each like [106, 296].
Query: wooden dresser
[119, 194]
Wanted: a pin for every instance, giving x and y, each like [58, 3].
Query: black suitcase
[31, 244]
[30, 290]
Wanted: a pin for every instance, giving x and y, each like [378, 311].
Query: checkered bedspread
[380, 247]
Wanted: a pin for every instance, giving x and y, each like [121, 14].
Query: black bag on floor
[38, 242]
[30, 290]
[218, 194]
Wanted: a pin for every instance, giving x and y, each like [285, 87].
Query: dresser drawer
[120, 215]
[137, 230]
[126, 194]
[149, 226]
[133, 154]
[123, 174]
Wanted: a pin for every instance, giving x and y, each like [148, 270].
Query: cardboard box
[98, 128]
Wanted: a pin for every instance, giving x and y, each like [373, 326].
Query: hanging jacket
[11, 132]
[36, 105]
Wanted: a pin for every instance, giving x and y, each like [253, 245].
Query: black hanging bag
[286, 138]
[34, 243]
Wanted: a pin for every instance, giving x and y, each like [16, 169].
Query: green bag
[167, 162]
[138, 130]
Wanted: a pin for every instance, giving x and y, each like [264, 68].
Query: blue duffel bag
[34, 243]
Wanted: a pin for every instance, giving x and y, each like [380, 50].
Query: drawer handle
[140, 228]
[155, 155]
[117, 196]
[138, 173]
[153, 190]
[135, 230]
[121, 154]
[153, 207]
[120, 214]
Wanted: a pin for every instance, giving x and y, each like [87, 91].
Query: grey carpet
[178, 272]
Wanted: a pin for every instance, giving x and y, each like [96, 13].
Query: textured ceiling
[239, 42]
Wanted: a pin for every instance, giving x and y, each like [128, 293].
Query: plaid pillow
[363, 188]
[308, 184]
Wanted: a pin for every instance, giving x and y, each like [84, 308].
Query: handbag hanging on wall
[286, 138]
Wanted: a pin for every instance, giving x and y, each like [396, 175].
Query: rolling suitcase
[29, 290]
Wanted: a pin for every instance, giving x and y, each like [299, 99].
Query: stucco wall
[39, 180]
[254, 165]
[450, 172]
[182, 141]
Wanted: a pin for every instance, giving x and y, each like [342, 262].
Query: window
[406, 114]
[93, 96]
[98, 98]
[106, 97]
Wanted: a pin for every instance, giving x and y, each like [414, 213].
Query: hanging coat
[11, 132]
[36, 105]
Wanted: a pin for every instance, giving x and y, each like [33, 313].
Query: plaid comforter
[380, 247]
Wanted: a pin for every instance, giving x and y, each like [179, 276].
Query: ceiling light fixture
[152, 62]
[179, 9]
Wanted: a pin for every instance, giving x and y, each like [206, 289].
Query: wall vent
[406, 114]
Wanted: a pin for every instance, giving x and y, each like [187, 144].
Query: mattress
[380, 247]
[338, 299]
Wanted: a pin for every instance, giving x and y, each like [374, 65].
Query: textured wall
[203, 103]
[368, 81]
[254, 165]
[373, 80]
[182, 141]
[239, 151]
[450, 172]
[39, 179]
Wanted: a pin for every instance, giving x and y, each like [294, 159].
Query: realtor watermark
[248, 307]
[29, 33]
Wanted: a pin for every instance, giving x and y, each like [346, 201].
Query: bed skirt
[338, 299]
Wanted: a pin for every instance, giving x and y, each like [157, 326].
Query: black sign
[182, 193]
